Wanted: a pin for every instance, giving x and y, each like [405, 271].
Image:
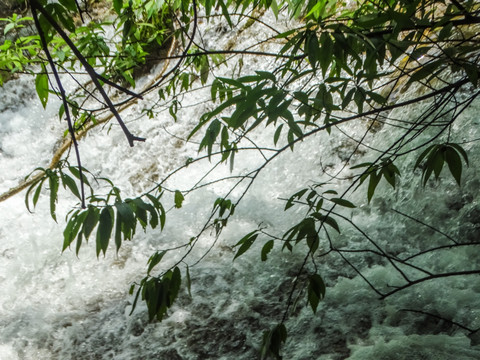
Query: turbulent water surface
[56, 305]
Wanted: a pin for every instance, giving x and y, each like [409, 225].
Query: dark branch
[431, 277]
[91, 72]
[64, 99]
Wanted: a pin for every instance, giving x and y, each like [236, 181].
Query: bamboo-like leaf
[266, 249]
[154, 260]
[423, 155]
[125, 212]
[70, 183]
[276, 136]
[461, 151]
[41, 86]
[245, 243]
[178, 199]
[438, 161]
[91, 221]
[316, 291]
[75, 172]
[36, 195]
[312, 48]
[326, 52]
[272, 342]
[454, 163]
[117, 6]
[327, 220]
[343, 202]
[118, 232]
[372, 184]
[175, 283]
[53, 184]
[104, 230]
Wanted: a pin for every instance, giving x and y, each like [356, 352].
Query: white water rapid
[54, 305]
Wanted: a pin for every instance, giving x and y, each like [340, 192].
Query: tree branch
[91, 72]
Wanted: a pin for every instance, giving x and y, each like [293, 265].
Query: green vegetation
[339, 63]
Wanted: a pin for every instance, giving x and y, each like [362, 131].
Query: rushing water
[54, 305]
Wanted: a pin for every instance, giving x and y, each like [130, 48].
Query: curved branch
[67, 142]
[431, 277]
[64, 100]
[91, 72]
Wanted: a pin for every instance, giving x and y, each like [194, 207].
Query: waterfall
[56, 305]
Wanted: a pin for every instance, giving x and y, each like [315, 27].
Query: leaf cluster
[432, 159]
[160, 293]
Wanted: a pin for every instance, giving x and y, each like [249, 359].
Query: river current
[56, 305]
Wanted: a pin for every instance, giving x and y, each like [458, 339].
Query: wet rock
[8, 7]
[433, 325]
[208, 340]
[170, 354]
[475, 338]
[335, 344]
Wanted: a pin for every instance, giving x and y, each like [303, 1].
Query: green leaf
[266, 75]
[141, 212]
[276, 136]
[461, 151]
[316, 291]
[225, 12]
[245, 243]
[178, 199]
[326, 220]
[159, 207]
[126, 215]
[294, 127]
[266, 249]
[208, 7]
[359, 99]
[342, 202]
[175, 282]
[70, 183]
[425, 71]
[118, 232]
[472, 73]
[272, 342]
[53, 184]
[446, 31]
[72, 229]
[298, 195]
[90, 221]
[379, 99]
[372, 184]
[36, 195]
[423, 155]
[79, 243]
[8, 27]
[326, 52]
[454, 164]
[312, 48]
[41, 86]
[204, 71]
[210, 136]
[207, 116]
[75, 172]
[104, 230]
[117, 6]
[69, 4]
[154, 260]
[438, 161]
